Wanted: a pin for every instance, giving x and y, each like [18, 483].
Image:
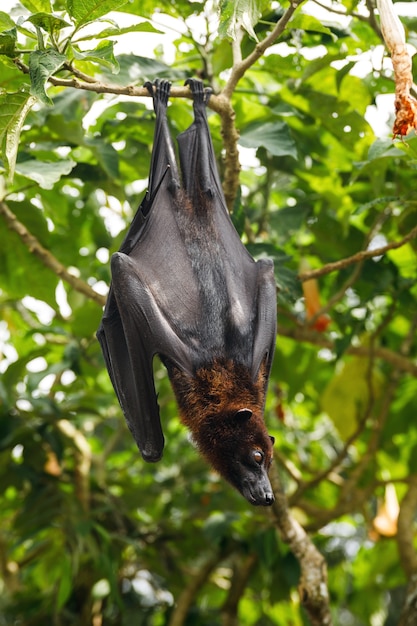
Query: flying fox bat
[185, 288]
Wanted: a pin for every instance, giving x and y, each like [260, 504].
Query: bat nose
[269, 498]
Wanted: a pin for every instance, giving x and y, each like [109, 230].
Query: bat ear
[272, 439]
[243, 414]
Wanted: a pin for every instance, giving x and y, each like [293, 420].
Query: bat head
[223, 409]
[239, 448]
[251, 459]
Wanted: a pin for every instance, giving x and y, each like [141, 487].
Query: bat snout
[258, 491]
[265, 496]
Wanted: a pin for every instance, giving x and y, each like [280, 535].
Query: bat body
[185, 288]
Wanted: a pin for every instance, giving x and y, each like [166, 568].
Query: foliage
[90, 534]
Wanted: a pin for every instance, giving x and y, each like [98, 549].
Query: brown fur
[208, 405]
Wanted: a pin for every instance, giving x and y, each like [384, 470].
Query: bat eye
[258, 457]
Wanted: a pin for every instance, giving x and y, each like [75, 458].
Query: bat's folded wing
[132, 331]
[266, 317]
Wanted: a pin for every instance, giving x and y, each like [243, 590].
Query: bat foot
[198, 90]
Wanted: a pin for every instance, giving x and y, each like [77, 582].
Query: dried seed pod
[394, 36]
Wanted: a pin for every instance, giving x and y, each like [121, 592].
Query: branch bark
[358, 257]
[312, 588]
[241, 67]
[409, 614]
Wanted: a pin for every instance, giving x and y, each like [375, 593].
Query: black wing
[131, 322]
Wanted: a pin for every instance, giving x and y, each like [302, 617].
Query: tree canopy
[302, 93]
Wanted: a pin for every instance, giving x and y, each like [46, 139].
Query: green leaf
[134, 69]
[302, 21]
[106, 155]
[274, 136]
[288, 220]
[346, 397]
[218, 526]
[383, 147]
[22, 273]
[86, 320]
[103, 54]
[42, 65]
[8, 39]
[65, 582]
[84, 11]
[6, 22]
[50, 23]
[142, 27]
[46, 174]
[37, 6]
[14, 108]
[267, 547]
[236, 14]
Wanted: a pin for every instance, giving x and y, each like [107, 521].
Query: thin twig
[358, 257]
[47, 258]
[351, 280]
[398, 361]
[241, 574]
[239, 69]
[188, 594]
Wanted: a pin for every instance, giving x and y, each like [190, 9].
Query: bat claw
[199, 92]
[159, 90]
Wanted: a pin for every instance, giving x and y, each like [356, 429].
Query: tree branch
[48, 259]
[398, 361]
[239, 69]
[83, 456]
[88, 83]
[407, 552]
[189, 593]
[405, 536]
[350, 281]
[313, 590]
[241, 574]
[409, 613]
[230, 136]
[358, 257]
